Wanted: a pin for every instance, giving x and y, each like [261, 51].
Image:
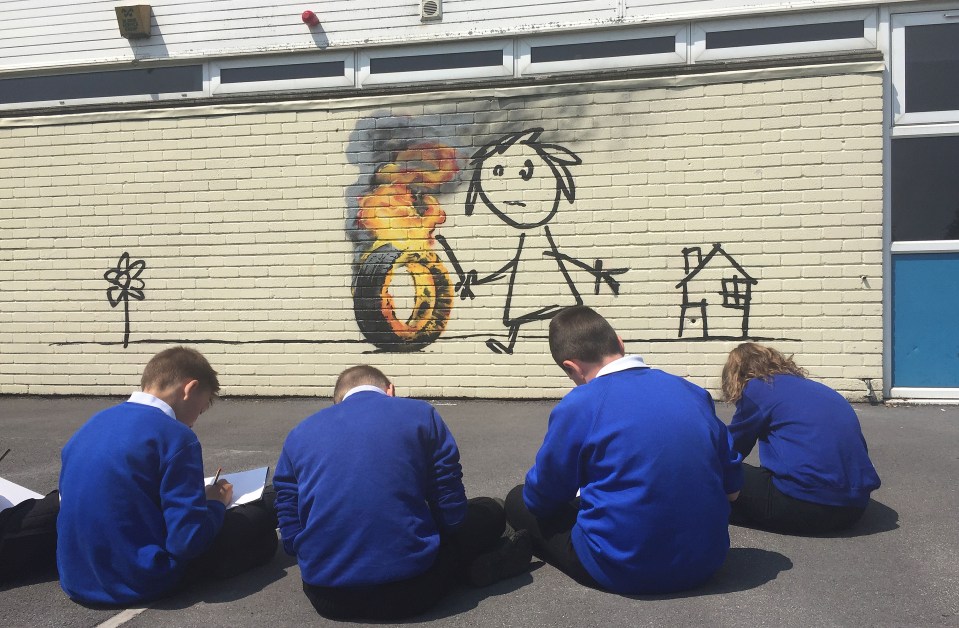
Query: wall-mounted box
[134, 21]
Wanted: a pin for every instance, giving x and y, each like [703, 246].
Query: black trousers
[552, 538]
[246, 540]
[28, 538]
[479, 533]
[761, 505]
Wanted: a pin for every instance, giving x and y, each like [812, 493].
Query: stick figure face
[521, 180]
[519, 186]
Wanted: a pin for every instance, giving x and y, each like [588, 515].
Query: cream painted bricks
[755, 202]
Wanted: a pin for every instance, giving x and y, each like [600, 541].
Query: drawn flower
[125, 283]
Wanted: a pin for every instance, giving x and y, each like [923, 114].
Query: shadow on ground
[231, 589]
[876, 519]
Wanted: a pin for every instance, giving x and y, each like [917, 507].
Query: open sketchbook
[247, 485]
[12, 494]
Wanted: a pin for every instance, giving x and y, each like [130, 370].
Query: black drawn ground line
[278, 341]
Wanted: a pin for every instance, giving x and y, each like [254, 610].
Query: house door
[924, 203]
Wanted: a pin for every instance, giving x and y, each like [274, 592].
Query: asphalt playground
[899, 567]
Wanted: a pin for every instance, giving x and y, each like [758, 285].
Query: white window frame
[898, 24]
[132, 98]
[924, 393]
[348, 78]
[699, 53]
[364, 78]
[920, 246]
[526, 67]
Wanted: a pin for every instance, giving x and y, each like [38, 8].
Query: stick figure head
[521, 179]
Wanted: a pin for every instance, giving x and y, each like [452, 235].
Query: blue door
[925, 321]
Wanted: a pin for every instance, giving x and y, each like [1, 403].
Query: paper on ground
[12, 494]
[247, 485]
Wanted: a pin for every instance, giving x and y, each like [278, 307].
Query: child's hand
[222, 492]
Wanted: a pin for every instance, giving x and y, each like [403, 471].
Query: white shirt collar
[364, 388]
[622, 364]
[147, 399]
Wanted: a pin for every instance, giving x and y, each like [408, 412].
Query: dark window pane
[932, 67]
[785, 34]
[284, 72]
[422, 63]
[602, 49]
[184, 78]
[925, 188]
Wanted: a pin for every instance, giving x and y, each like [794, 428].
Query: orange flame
[401, 208]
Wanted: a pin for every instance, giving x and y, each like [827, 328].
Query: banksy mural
[407, 276]
[523, 182]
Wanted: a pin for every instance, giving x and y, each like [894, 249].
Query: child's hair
[358, 376]
[754, 361]
[581, 333]
[179, 364]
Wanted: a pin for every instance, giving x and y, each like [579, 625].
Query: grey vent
[431, 10]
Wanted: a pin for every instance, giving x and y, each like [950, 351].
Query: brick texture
[242, 219]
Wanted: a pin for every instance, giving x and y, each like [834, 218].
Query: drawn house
[715, 288]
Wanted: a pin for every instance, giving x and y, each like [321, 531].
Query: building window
[429, 62]
[784, 34]
[925, 67]
[602, 49]
[289, 72]
[554, 54]
[925, 188]
[792, 34]
[439, 62]
[140, 84]
[283, 73]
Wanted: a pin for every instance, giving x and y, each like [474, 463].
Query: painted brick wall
[245, 219]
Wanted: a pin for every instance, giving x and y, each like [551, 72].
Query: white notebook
[12, 494]
[247, 485]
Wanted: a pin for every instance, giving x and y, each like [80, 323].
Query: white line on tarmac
[121, 618]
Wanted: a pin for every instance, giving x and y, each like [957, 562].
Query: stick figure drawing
[522, 180]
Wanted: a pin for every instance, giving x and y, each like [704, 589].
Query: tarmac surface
[898, 567]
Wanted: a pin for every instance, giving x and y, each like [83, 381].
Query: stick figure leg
[498, 347]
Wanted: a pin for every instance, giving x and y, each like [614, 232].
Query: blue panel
[925, 320]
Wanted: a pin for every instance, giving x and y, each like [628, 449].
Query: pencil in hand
[217, 476]
[5, 454]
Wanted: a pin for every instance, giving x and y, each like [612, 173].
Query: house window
[61, 89]
[735, 292]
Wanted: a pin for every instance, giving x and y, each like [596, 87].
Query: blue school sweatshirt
[133, 509]
[364, 487]
[653, 464]
[809, 439]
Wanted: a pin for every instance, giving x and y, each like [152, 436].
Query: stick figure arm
[596, 270]
[470, 278]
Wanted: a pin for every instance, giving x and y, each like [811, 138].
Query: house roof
[717, 248]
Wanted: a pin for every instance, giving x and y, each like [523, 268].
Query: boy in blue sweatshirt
[136, 520]
[650, 459]
[370, 499]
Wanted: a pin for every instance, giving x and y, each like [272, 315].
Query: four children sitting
[630, 491]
